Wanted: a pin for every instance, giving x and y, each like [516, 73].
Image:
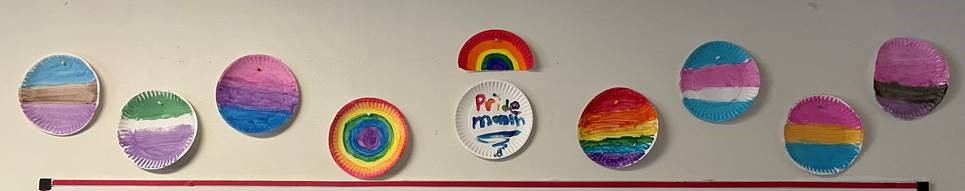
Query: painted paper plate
[494, 119]
[618, 128]
[157, 128]
[719, 81]
[823, 135]
[60, 94]
[368, 137]
[257, 94]
[911, 77]
[495, 50]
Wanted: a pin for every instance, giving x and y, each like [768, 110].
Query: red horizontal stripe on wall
[493, 184]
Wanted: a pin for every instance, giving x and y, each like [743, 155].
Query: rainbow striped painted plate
[157, 128]
[823, 135]
[495, 50]
[618, 128]
[367, 137]
[257, 94]
[719, 81]
[494, 119]
[60, 94]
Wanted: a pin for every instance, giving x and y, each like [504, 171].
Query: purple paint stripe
[615, 160]
[903, 109]
[721, 75]
[810, 111]
[255, 98]
[157, 144]
[59, 118]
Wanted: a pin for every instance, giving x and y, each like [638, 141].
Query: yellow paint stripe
[822, 134]
[646, 128]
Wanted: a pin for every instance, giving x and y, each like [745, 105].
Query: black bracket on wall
[46, 184]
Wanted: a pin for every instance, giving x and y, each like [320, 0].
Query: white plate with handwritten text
[494, 119]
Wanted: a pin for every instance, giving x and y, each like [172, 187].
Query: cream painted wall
[405, 52]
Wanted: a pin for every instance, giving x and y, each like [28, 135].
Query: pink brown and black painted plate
[911, 77]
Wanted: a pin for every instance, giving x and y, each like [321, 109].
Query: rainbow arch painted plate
[495, 50]
[618, 128]
[494, 119]
[911, 77]
[823, 135]
[719, 81]
[257, 94]
[157, 128]
[60, 94]
[367, 137]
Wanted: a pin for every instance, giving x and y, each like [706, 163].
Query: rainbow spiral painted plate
[367, 137]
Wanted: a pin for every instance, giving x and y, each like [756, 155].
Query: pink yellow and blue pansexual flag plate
[823, 135]
[495, 50]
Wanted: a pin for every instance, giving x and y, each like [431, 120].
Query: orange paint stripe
[645, 128]
[617, 119]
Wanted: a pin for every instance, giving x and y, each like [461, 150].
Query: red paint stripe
[505, 184]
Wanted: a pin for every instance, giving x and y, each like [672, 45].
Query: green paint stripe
[627, 140]
[151, 105]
